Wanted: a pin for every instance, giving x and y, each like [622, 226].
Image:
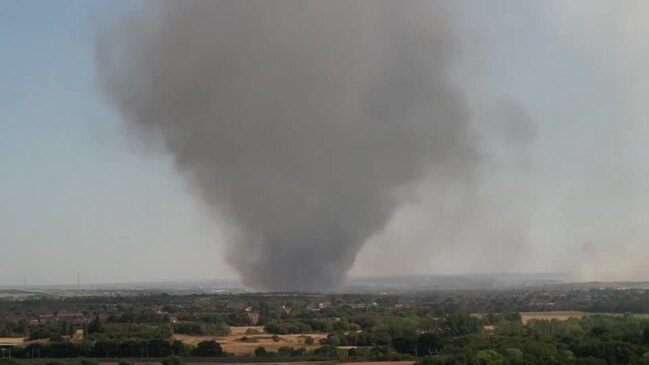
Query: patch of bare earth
[12, 340]
[242, 342]
[558, 315]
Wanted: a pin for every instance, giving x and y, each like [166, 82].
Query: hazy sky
[78, 195]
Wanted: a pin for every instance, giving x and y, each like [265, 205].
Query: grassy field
[564, 315]
[240, 343]
[558, 315]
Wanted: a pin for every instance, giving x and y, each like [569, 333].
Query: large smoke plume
[303, 122]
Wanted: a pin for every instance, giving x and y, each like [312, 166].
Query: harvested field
[558, 315]
[240, 343]
[20, 341]
[12, 340]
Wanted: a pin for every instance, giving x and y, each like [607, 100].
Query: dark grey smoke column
[299, 120]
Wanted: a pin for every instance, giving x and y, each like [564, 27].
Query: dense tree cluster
[596, 339]
[462, 327]
[116, 348]
[202, 328]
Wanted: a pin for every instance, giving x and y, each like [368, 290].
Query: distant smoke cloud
[605, 203]
[300, 121]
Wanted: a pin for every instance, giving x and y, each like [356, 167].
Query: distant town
[184, 323]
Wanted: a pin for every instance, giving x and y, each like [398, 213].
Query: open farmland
[211, 329]
[19, 341]
[558, 315]
[242, 342]
[12, 340]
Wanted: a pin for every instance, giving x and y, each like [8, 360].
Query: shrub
[488, 357]
[173, 360]
[7, 361]
[208, 348]
[261, 352]
[590, 361]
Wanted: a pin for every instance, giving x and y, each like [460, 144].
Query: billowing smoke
[303, 122]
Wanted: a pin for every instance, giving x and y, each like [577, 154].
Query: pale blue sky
[77, 195]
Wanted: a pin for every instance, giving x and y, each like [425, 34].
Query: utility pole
[78, 281]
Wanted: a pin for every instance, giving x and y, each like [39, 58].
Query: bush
[589, 361]
[173, 360]
[7, 361]
[202, 328]
[436, 360]
[514, 355]
[261, 352]
[247, 339]
[41, 331]
[208, 348]
[325, 350]
[488, 357]
[359, 352]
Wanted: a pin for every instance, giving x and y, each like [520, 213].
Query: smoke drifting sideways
[302, 122]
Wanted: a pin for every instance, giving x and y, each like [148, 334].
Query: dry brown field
[12, 340]
[20, 341]
[235, 344]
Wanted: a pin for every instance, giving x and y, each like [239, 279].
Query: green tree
[325, 350]
[461, 324]
[488, 357]
[261, 352]
[173, 360]
[159, 347]
[404, 345]
[514, 356]
[589, 361]
[208, 349]
[429, 343]
[179, 349]
[645, 336]
[95, 326]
